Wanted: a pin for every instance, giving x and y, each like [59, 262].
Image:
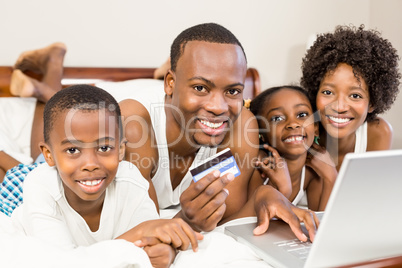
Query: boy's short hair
[80, 97]
[208, 32]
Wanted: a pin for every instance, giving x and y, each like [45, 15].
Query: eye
[72, 151]
[356, 96]
[105, 148]
[277, 118]
[302, 114]
[233, 92]
[326, 92]
[200, 88]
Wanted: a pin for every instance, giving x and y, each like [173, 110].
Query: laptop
[362, 220]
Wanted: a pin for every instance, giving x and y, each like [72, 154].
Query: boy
[85, 193]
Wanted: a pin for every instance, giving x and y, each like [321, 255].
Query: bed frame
[73, 75]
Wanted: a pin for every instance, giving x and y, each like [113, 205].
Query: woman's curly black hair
[372, 57]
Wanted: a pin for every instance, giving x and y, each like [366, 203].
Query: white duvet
[216, 250]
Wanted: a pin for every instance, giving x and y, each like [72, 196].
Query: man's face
[206, 90]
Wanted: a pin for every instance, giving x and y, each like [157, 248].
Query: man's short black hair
[79, 97]
[208, 32]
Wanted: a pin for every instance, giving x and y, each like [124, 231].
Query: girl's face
[343, 102]
[289, 122]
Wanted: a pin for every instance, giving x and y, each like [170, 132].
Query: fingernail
[304, 237]
[216, 173]
[230, 176]
[226, 190]
[257, 230]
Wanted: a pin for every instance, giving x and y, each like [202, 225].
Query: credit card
[223, 161]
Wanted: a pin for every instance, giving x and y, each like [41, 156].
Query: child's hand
[275, 168]
[321, 162]
[175, 232]
[160, 255]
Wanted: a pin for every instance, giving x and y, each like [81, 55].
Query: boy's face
[86, 150]
[289, 122]
[207, 90]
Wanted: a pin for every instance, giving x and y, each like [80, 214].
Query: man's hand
[270, 203]
[203, 203]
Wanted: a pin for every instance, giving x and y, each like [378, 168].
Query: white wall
[386, 17]
[130, 33]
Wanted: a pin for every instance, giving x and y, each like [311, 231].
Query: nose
[293, 124]
[340, 105]
[90, 161]
[217, 104]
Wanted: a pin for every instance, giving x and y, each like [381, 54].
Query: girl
[286, 121]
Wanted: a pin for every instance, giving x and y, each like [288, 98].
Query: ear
[371, 108]
[316, 129]
[261, 137]
[316, 133]
[122, 149]
[45, 149]
[170, 80]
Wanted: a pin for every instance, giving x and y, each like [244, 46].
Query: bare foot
[37, 60]
[21, 85]
[160, 72]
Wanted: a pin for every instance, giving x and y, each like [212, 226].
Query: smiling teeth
[294, 138]
[91, 183]
[210, 124]
[339, 120]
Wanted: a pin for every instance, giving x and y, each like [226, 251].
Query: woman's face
[343, 102]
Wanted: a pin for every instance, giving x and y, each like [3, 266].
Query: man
[200, 113]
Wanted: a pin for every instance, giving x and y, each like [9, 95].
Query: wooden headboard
[252, 83]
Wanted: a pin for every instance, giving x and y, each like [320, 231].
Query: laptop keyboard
[295, 247]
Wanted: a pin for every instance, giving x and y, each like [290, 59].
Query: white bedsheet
[18, 250]
[216, 250]
[16, 118]
[221, 251]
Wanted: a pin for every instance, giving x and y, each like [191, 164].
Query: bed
[92, 75]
